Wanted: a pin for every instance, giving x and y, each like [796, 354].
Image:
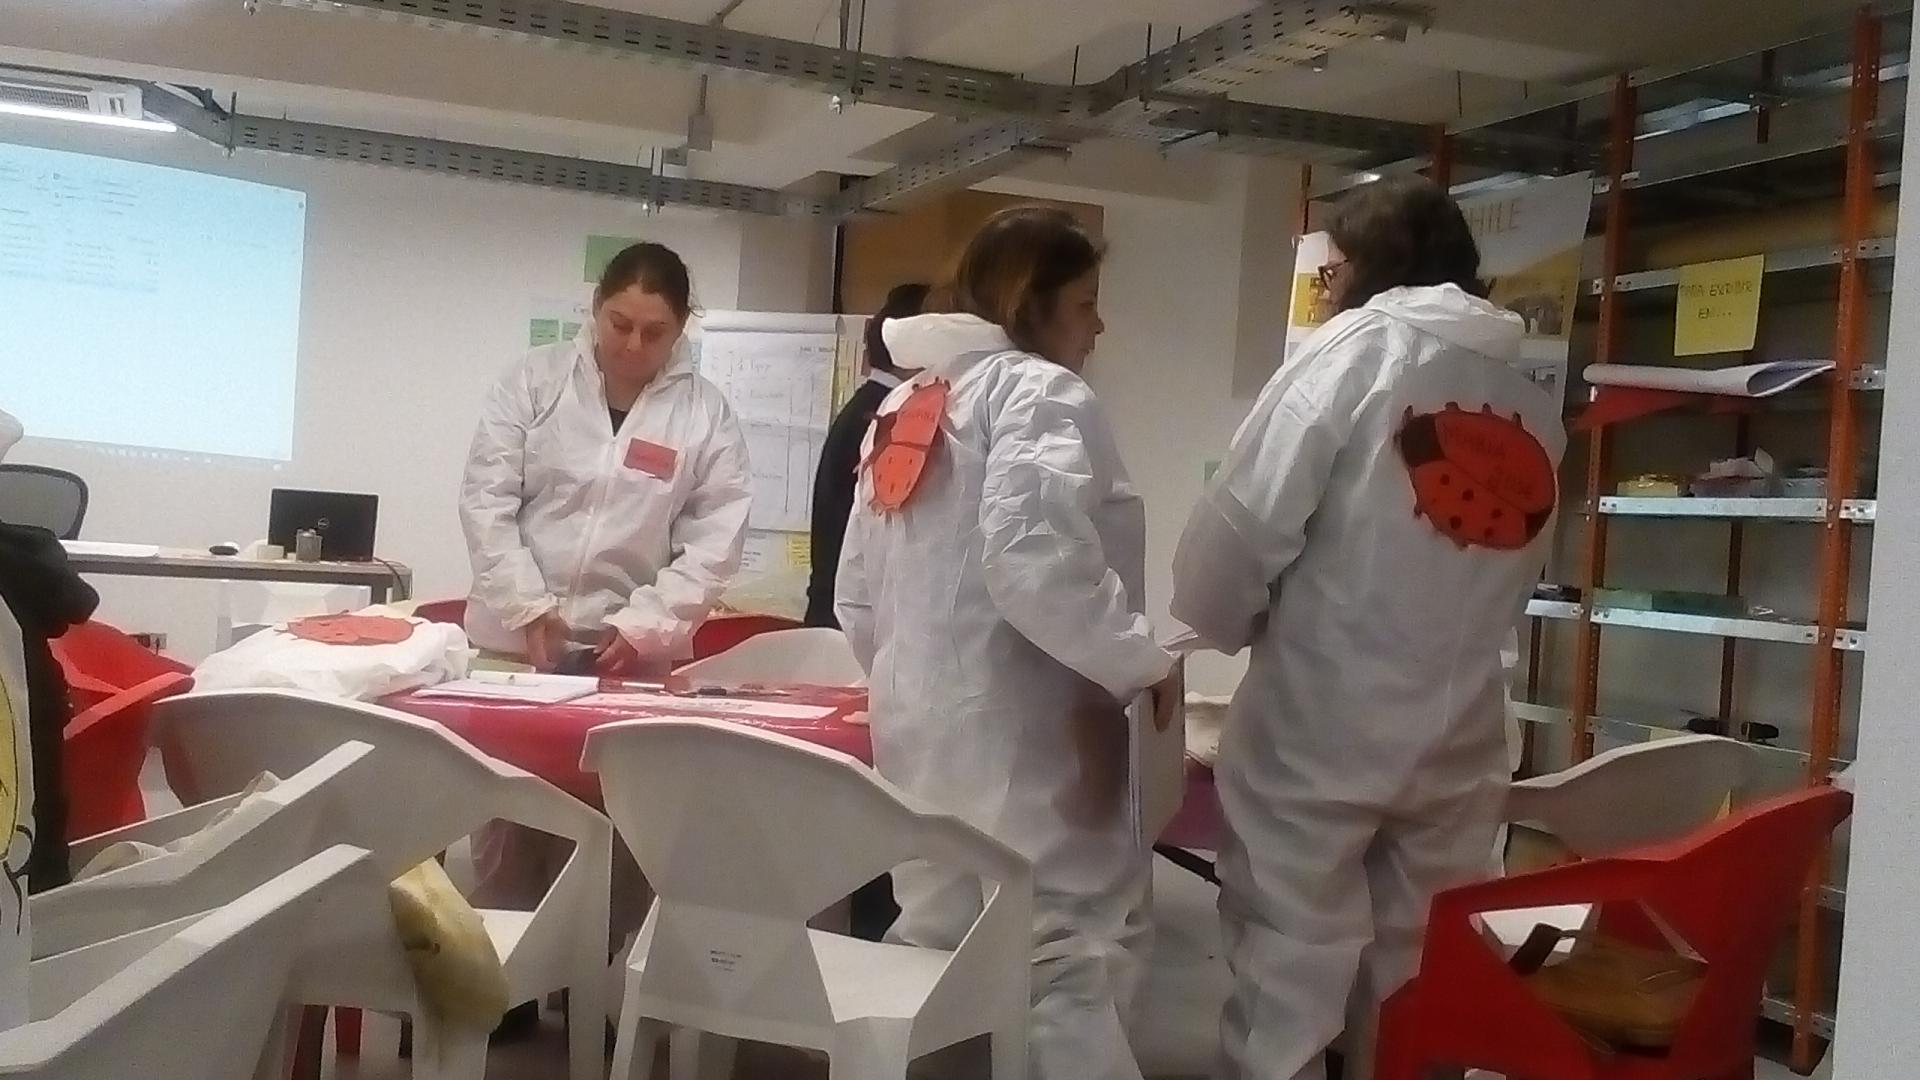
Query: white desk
[386, 581]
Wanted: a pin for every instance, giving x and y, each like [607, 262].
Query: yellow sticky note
[1718, 308]
[1312, 304]
[800, 551]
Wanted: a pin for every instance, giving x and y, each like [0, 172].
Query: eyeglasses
[1326, 273]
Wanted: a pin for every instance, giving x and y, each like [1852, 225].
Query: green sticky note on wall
[543, 332]
[600, 252]
[569, 331]
[1207, 471]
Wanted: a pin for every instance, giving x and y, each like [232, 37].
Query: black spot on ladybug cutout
[902, 442]
[1482, 479]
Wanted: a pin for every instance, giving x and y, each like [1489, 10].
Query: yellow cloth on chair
[452, 958]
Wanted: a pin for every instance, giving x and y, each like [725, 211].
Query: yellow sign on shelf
[1719, 306]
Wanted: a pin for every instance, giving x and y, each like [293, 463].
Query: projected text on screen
[147, 306]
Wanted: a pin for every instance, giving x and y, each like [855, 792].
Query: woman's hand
[617, 658]
[546, 641]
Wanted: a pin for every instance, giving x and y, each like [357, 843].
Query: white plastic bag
[281, 659]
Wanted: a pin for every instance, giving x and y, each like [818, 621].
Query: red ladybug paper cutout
[351, 629]
[902, 442]
[1482, 479]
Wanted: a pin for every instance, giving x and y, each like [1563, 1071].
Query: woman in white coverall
[1373, 535]
[605, 506]
[605, 497]
[997, 608]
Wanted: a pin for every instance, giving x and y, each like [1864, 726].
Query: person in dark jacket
[46, 598]
[840, 457]
[872, 908]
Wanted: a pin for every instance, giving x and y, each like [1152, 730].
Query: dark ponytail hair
[658, 271]
[1404, 231]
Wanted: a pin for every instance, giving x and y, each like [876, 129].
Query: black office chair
[52, 499]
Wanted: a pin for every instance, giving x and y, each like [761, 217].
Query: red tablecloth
[547, 740]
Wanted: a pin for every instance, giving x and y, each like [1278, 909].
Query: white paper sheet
[503, 686]
[107, 547]
[703, 703]
[781, 387]
[1747, 380]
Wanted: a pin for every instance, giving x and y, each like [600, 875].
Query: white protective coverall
[1364, 759]
[999, 615]
[638, 529]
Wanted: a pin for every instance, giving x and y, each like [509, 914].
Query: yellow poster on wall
[1530, 237]
[1718, 310]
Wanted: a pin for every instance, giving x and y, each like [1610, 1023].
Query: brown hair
[1404, 231]
[1014, 267]
[658, 271]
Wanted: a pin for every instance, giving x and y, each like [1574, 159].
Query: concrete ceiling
[459, 85]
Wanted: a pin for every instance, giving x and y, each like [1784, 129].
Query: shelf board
[1871, 377]
[1629, 730]
[1749, 628]
[1807, 258]
[1859, 511]
[1781, 1011]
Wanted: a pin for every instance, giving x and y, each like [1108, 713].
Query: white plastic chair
[744, 835]
[1633, 795]
[248, 607]
[1628, 797]
[283, 825]
[424, 790]
[817, 656]
[198, 1003]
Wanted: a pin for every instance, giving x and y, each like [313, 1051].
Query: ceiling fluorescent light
[39, 112]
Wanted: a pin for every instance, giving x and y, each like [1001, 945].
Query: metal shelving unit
[1861, 150]
[1783, 164]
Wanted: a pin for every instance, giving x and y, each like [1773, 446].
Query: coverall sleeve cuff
[521, 616]
[1153, 665]
[651, 637]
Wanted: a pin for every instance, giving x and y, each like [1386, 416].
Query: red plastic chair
[105, 748]
[111, 679]
[723, 632]
[1466, 1008]
[452, 612]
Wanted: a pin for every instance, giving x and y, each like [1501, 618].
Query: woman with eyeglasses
[1372, 537]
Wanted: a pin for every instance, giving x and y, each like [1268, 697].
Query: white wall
[417, 293]
[1879, 996]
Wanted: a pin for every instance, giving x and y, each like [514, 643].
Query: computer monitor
[345, 522]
